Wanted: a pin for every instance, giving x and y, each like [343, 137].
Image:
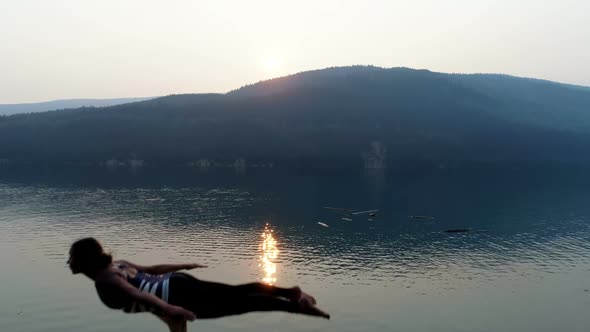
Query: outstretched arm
[162, 268]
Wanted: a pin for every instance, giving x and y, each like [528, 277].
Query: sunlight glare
[270, 253]
[271, 64]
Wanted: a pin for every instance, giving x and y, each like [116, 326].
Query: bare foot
[296, 293]
[307, 297]
[299, 295]
[306, 307]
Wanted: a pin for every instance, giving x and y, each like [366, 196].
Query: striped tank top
[158, 285]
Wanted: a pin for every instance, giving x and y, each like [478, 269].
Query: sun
[271, 64]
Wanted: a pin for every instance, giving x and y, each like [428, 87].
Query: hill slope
[9, 109]
[336, 117]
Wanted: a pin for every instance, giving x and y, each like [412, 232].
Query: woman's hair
[88, 256]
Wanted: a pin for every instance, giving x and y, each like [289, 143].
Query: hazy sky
[62, 49]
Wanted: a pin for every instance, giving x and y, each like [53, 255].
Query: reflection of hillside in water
[533, 226]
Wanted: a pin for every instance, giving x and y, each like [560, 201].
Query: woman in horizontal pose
[177, 297]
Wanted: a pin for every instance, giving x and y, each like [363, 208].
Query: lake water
[524, 266]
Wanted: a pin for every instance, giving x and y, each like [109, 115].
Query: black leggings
[212, 300]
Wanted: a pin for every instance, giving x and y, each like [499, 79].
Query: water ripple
[223, 227]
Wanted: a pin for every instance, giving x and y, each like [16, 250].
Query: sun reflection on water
[269, 254]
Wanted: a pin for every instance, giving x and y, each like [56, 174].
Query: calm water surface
[525, 265]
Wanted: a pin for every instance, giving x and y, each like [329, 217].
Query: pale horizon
[85, 50]
[271, 78]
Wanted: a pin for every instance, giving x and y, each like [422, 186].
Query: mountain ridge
[338, 117]
[52, 105]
